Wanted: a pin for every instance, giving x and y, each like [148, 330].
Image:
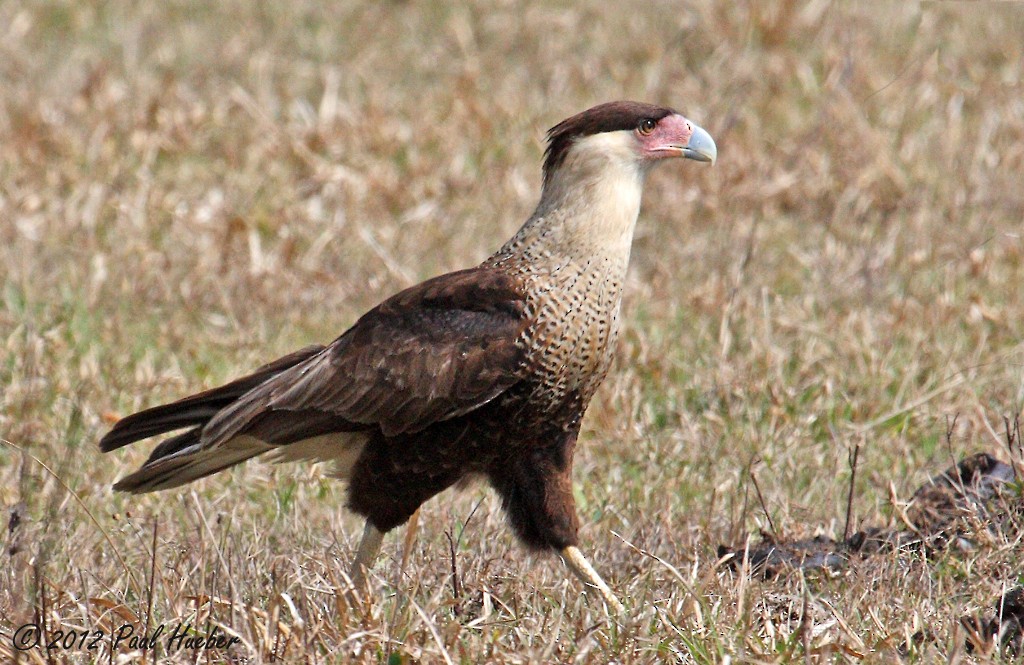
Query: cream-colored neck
[589, 205]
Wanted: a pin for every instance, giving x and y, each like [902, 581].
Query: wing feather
[432, 352]
[195, 410]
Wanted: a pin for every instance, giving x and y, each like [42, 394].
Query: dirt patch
[1001, 629]
[960, 509]
[955, 508]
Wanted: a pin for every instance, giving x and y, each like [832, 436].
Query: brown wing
[196, 410]
[432, 352]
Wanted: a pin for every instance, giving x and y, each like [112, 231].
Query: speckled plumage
[486, 371]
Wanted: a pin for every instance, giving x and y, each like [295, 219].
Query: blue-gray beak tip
[701, 146]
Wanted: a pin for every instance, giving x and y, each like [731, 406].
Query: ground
[189, 190]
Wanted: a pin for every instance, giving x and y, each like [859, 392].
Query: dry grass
[189, 190]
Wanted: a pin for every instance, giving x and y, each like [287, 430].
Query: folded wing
[433, 352]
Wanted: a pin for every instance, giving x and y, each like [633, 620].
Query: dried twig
[1013, 441]
[455, 571]
[152, 579]
[853, 458]
[764, 506]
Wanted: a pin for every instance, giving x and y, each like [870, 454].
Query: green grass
[187, 192]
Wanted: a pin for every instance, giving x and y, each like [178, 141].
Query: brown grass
[187, 191]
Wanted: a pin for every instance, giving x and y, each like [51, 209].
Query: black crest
[608, 117]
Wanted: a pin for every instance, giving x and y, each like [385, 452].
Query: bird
[482, 372]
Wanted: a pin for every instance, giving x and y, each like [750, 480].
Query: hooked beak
[701, 146]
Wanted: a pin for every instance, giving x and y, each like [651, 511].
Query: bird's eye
[646, 126]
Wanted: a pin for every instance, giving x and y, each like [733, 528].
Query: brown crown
[608, 117]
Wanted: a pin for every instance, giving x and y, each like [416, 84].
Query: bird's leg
[410, 539]
[369, 546]
[578, 563]
[537, 493]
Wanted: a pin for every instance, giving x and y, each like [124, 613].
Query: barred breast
[575, 325]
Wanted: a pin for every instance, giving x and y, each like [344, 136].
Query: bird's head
[635, 134]
[594, 169]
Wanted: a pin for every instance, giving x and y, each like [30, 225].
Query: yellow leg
[369, 547]
[410, 538]
[578, 564]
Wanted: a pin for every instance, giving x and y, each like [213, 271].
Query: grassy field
[188, 190]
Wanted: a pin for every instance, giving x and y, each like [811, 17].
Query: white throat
[590, 203]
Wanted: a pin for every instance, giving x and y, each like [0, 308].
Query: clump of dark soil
[958, 509]
[951, 509]
[1002, 629]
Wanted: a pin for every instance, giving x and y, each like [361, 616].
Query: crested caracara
[485, 371]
